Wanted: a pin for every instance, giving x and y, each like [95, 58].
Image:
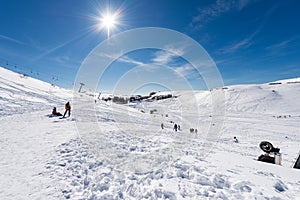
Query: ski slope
[111, 151]
[22, 94]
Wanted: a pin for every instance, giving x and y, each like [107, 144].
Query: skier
[68, 109]
[162, 126]
[235, 140]
[175, 127]
[54, 112]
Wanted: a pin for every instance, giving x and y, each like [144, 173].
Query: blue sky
[251, 41]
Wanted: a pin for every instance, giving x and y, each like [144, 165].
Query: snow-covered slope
[20, 94]
[265, 98]
[80, 157]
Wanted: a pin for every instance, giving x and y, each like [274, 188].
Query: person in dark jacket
[54, 112]
[175, 127]
[68, 109]
[235, 139]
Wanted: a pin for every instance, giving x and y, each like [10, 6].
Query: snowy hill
[20, 93]
[265, 98]
[110, 151]
[269, 98]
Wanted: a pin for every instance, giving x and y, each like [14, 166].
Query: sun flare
[109, 21]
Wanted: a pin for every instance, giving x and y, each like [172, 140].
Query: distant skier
[175, 127]
[162, 126]
[235, 140]
[54, 112]
[68, 109]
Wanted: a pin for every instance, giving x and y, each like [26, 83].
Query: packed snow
[111, 151]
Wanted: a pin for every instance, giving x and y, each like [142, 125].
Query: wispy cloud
[59, 46]
[49, 51]
[162, 57]
[112, 56]
[62, 59]
[247, 41]
[244, 43]
[167, 56]
[215, 10]
[243, 3]
[12, 40]
[129, 60]
[121, 58]
[279, 46]
[282, 48]
[185, 70]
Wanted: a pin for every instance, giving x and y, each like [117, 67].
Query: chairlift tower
[81, 85]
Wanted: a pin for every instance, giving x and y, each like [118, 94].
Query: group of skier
[175, 128]
[67, 110]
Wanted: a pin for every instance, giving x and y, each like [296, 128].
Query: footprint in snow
[243, 186]
[280, 186]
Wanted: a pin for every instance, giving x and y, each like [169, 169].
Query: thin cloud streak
[244, 43]
[185, 70]
[167, 56]
[124, 59]
[12, 40]
[279, 45]
[248, 41]
[243, 3]
[215, 10]
[59, 46]
[129, 60]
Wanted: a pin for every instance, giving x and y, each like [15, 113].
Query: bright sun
[109, 21]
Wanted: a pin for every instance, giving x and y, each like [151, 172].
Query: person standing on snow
[68, 109]
[175, 128]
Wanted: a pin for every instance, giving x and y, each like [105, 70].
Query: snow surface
[120, 152]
